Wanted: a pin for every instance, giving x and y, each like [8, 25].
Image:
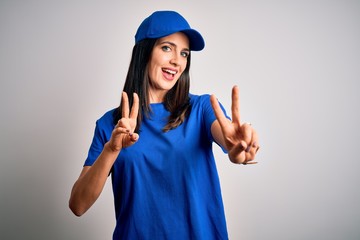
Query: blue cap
[163, 23]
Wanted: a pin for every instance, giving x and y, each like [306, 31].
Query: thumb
[134, 137]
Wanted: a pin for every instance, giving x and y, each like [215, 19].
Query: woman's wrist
[109, 148]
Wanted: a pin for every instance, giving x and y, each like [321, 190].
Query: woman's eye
[185, 54]
[166, 48]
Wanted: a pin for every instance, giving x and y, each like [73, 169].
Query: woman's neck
[156, 97]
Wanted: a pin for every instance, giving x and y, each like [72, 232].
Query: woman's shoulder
[199, 99]
[107, 119]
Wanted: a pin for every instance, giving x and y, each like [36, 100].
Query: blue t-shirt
[166, 185]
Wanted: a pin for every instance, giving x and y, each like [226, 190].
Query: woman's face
[167, 63]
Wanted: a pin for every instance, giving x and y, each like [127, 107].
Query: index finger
[235, 105]
[135, 107]
[220, 116]
[125, 105]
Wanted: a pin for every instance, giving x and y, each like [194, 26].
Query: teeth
[170, 71]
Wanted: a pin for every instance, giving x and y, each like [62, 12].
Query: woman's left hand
[240, 140]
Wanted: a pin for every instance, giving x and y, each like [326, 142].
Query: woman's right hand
[123, 134]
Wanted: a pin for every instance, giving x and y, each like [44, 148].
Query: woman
[157, 145]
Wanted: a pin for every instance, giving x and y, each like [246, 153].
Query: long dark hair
[176, 101]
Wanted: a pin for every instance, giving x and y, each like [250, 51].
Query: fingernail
[254, 144]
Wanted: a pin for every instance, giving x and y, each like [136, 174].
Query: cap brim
[196, 41]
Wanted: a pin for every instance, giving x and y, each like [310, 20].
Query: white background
[297, 63]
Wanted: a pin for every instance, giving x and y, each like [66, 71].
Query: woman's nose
[174, 60]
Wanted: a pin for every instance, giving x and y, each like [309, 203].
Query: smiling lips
[169, 74]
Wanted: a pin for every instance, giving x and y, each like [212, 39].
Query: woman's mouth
[169, 73]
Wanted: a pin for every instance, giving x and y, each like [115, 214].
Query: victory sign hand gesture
[240, 140]
[123, 134]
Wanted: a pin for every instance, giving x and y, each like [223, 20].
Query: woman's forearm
[91, 182]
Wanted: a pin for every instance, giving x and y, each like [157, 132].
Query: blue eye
[166, 48]
[185, 54]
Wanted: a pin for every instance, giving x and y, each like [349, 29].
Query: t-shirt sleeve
[96, 146]
[209, 117]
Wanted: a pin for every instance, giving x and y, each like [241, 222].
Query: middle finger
[125, 105]
[247, 133]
